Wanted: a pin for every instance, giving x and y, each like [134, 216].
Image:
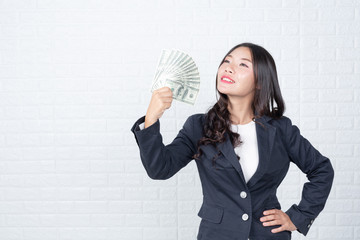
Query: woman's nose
[229, 69]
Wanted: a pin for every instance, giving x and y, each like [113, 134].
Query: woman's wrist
[149, 121]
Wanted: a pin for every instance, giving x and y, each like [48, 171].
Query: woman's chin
[223, 90]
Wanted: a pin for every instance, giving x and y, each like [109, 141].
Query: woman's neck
[240, 113]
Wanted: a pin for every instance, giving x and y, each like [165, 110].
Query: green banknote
[178, 71]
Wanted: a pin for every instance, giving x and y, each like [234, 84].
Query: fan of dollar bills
[178, 71]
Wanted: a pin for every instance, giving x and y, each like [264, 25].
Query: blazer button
[243, 194]
[245, 217]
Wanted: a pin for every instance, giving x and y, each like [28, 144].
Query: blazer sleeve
[319, 172]
[160, 161]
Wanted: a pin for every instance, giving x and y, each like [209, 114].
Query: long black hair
[267, 92]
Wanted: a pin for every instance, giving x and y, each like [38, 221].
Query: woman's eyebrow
[246, 59]
[229, 55]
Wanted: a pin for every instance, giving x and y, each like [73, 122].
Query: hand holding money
[160, 101]
[178, 71]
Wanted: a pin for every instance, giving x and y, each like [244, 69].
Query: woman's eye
[243, 65]
[227, 61]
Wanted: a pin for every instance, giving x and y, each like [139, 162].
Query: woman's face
[235, 76]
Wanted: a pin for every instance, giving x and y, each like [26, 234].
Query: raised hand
[160, 101]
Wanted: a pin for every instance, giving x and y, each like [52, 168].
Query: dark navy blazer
[232, 208]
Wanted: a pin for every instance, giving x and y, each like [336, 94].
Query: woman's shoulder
[195, 123]
[282, 122]
[197, 118]
[281, 119]
[193, 127]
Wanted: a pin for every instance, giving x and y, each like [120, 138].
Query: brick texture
[76, 74]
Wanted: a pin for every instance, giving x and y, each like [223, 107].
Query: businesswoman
[242, 147]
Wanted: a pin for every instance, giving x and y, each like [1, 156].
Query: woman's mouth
[226, 79]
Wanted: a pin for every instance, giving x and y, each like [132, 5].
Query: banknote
[182, 92]
[178, 71]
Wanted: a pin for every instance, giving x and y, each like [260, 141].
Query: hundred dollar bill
[178, 71]
[183, 93]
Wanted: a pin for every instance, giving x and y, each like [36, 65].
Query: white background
[75, 75]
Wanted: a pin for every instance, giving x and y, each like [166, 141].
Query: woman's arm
[319, 172]
[162, 162]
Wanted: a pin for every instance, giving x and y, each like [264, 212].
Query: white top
[248, 149]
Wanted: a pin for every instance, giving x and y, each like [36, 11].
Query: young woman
[242, 147]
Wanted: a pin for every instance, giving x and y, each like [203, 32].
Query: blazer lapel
[265, 134]
[227, 150]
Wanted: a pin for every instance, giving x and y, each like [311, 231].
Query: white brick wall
[76, 74]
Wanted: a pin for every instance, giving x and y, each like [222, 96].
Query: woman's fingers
[163, 93]
[277, 217]
[279, 229]
[161, 100]
[164, 90]
[165, 97]
[268, 217]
